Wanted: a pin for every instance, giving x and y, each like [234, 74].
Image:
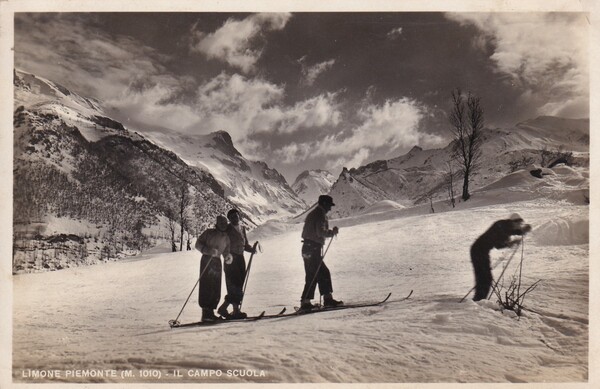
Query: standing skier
[235, 270]
[316, 229]
[498, 236]
[212, 243]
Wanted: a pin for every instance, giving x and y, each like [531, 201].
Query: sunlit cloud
[544, 53]
[310, 73]
[389, 126]
[238, 42]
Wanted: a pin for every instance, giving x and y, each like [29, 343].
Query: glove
[526, 228]
[211, 252]
[228, 259]
[335, 231]
[514, 242]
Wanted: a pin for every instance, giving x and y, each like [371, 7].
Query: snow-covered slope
[68, 321]
[253, 186]
[421, 175]
[86, 189]
[310, 184]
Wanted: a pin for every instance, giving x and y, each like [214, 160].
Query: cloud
[293, 153]
[310, 73]
[394, 124]
[546, 54]
[245, 106]
[236, 42]
[88, 61]
[356, 159]
[389, 126]
[395, 33]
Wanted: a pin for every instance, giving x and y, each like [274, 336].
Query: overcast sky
[313, 90]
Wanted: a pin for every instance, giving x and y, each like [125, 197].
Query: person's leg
[324, 280]
[312, 258]
[237, 278]
[210, 286]
[483, 276]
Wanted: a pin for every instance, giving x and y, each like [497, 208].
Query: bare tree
[185, 201]
[466, 120]
[171, 224]
[450, 183]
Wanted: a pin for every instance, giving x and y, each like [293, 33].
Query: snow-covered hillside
[423, 175]
[253, 186]
[262, 192]
[69, 323]
[87, 190]
[47, 97]
[310, 184]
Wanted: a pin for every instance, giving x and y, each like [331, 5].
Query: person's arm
[227, 257]
[322, 228]
[247, 246]
[202, 245]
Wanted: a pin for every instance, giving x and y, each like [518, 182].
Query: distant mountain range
[79, 173]
[260, 191]
[310, 184]
[420, 175]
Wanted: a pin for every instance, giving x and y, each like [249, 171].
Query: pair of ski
[281, 314]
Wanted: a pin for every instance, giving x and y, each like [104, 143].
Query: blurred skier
[235, 270]
[212, 243]
[316, 229]
[498, 236]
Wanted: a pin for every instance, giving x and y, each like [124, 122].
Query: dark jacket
[238, 240]
[499, 234]
[316, 226]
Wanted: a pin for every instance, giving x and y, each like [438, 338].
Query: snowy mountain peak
[258, 190]
[311, 183]
[30, 88]
[223, 142]
[420, 175]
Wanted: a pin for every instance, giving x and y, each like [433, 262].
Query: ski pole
[254, 247]
[473, 288]
[175, 322]
[503, 270]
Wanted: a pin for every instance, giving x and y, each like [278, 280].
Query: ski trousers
[210, 282]
[483, 273]
[235, 275]
[316, 272]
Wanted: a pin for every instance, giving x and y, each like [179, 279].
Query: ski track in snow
[115, 315]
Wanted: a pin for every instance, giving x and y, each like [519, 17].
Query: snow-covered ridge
[310, 184]
[259, 190]
[87, 189]
[422, 175]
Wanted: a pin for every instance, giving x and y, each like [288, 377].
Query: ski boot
[307, 306]
[208, 315]
[237, 313]
[329, 302]
[223, 311]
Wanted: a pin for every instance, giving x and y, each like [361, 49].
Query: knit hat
[516, 217]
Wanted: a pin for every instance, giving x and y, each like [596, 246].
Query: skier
[212, 243]
[498, 236]
[316, 229]
[235, 270]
